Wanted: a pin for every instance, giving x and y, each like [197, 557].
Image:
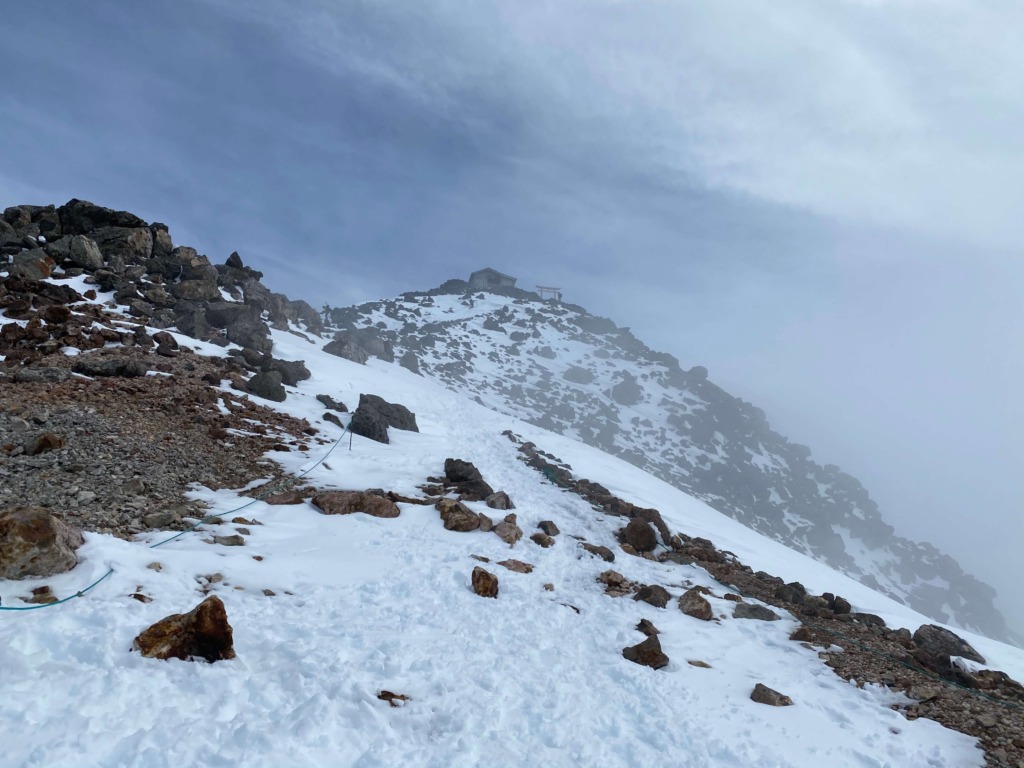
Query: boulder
[647, 628]
[292, 371]
[334, 405]
[123, 245]
[127, 367]
[466, 480]
[499, 500]
[44, 442]
[222, 314]
[598, 551]
[548, 527]
[369, 423]
[33, 542]
[347, 502]
[754, 611]
[195, 290]
[639, 535]
[647, 653]
[794, 592]
[485, 583]
[397, 416]
[542, 540]
[508, 531]
[344, 347]
[83, 251]
[34, 264]
[939, 641]
[692, 603]
[762, 694]
[267, 385]
[202, 633]
[654, 594]
[457, 516]
[250, 332]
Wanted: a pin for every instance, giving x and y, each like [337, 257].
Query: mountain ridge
[559, 367]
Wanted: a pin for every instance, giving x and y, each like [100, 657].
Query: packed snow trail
[363, 604]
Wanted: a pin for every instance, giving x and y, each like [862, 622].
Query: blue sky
[819, 201]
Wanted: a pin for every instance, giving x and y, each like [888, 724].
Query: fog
[820, 202]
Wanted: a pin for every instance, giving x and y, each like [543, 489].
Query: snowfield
[361, 604]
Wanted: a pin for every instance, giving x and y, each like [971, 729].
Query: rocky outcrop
[935, 645]
[202, 633]
[692, 603]
[33, 542]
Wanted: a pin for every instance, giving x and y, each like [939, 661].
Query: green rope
[270, 490]
[58, 602]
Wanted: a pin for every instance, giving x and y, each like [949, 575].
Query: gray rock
[499, 500]
[941, 642]
[196, 290]
[79, 217]
[754, 611]
[267, 385]
[369, 423]
[397, 416]
[128, 367]
[292, 371]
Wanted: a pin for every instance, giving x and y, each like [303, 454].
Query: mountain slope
[561, 368]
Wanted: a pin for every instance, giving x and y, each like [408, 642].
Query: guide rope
[271, 489]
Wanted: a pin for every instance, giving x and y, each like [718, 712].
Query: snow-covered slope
[361, 604]
[556, 366]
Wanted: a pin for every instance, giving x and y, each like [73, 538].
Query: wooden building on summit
[488, 279]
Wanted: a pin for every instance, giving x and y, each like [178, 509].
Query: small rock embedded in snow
[762, 694]
[647, 653]
[753, 611]
[485, 583]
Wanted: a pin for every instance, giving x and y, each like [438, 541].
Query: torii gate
[555, 293]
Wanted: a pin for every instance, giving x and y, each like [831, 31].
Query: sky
[818, 201]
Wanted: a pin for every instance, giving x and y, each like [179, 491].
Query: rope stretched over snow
[283, 485]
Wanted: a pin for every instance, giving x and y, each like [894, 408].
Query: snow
[363, 604]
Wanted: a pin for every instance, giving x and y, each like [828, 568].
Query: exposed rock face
[35, 543]
[202, 633]
[347, 502]
[934, 641]
[647, 654]
[485, 583]
[692, 603]
[762, 694]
